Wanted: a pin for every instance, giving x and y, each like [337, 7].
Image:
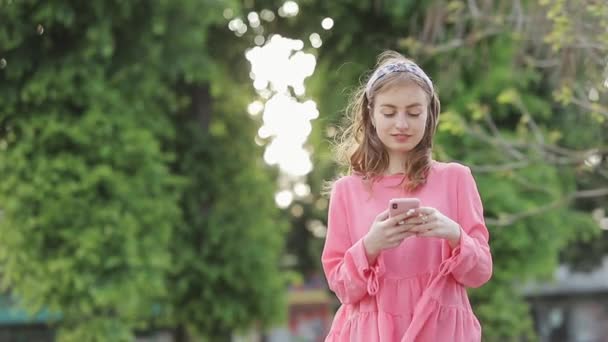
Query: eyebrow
[409, 106]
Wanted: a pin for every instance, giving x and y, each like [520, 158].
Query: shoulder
[347, 186]
[452, 170]
[458, 176]
[344, 183]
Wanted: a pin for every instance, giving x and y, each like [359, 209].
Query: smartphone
[397, 206]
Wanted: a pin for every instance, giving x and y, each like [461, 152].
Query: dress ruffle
[440, 306]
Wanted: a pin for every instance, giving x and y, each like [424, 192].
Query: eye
[416, 111]
[388, 113]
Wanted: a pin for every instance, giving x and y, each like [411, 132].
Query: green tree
[132, 191]
[87, 198]
[582, 81]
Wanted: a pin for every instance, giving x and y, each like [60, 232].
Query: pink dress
[416, 291]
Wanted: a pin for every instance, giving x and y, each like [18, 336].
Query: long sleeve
[348, 272]
[471, 261]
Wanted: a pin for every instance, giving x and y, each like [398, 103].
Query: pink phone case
[397, 206]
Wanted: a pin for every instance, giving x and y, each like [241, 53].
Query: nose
[402, 123]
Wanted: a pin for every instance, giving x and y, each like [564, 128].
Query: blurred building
[16, 325]
[573, 307]
[309, 313]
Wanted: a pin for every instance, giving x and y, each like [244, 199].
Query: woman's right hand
[386, 233]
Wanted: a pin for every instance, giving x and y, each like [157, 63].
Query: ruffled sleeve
[471, 261]
[348, 272]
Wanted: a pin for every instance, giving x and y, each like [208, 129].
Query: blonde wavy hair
[359, 148]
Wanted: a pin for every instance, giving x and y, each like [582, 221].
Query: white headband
[396, 67]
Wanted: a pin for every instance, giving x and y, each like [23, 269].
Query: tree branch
[589, 106]
[508, 220]
[473, 8]
[456, 43]
[500, 167]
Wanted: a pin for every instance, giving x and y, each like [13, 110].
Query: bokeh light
[267, 15]
[317, 228]
[254, 19]
[255, 108]
[228, 13]
[315, 40]
[283, 198]
[289, 9]
[327, 23]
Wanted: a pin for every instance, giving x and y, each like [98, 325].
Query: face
[399, 116]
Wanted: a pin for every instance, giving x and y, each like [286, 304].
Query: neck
[396, 164]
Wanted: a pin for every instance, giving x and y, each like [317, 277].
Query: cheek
[422, 123]
[379, 122]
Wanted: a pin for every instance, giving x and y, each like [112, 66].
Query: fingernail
[409, 212]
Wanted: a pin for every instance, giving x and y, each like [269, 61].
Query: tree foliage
[132, 191]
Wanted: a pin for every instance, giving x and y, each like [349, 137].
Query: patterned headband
[396, 67]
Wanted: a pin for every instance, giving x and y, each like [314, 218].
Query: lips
[401, 137]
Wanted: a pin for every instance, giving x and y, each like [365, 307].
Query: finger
[382, 216]
[406, 219]
[424, 211]
[422, 219]
[396, 219]
[415, 220]
[398, 230]
[422, 228]
[410, 214]
[405, 227]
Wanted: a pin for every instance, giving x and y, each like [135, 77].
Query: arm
[349, 274]
[471, 260]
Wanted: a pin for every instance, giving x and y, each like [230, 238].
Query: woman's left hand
[430, 222]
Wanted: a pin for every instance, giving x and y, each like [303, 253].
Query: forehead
[401, 94]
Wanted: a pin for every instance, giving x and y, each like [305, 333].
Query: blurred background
[162, 162]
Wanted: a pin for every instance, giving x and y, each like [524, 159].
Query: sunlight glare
[278, 64]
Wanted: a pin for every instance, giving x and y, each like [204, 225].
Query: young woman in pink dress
[402, 278]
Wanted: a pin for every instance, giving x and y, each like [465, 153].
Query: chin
[401, 149]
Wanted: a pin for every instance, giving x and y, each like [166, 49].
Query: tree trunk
[201, 105]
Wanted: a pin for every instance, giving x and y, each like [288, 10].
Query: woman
[402, 278]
